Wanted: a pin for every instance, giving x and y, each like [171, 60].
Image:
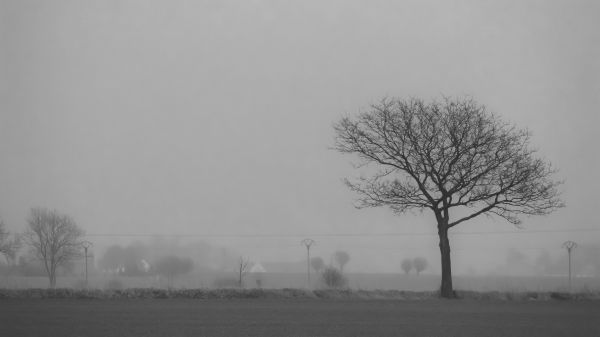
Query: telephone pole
[86, 245]
[569, 245]
[308, 243]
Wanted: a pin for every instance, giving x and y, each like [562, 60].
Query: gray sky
[214, 117]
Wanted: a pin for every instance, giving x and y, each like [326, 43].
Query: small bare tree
[54, 238]
[333, 277]
[420, 264]
[242, 270]
[342, 258]
[407, 265]
[9, 244]
[453, 158]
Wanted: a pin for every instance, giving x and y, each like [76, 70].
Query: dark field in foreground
[299, 317]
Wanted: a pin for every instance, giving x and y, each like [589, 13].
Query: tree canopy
[420, 264]
[342, 258]
[54, 238]
[317, 263]
[407, 265]
[170, 266]
[447, 154]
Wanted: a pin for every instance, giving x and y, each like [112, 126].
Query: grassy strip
[154, 293]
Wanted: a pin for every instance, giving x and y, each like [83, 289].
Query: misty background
[209, 123]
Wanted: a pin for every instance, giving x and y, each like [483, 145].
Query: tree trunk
[52, 277]
[446, 290]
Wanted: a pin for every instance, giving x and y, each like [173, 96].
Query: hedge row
[151, 293]
[154, 293]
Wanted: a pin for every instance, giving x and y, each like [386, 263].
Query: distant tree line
[55, 241]
[418, 264]
[332, 275]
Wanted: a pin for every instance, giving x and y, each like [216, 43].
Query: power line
[573, 230]
[323, 235]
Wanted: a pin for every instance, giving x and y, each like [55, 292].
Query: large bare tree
[54, 238]
[452, 157]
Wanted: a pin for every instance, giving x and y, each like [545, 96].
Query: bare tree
[242, 270]
[341, 258]
[333, 277]
[317, 264]
[54, 238]
[420, 264]
[451, 157]
[407, 265]
[9, 244]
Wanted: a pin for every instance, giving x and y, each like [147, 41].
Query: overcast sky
[215, 117]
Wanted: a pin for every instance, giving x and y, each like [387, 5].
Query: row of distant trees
[332, 275]
[133, 260]
[340, 258]
[54, 240]
[418, 264]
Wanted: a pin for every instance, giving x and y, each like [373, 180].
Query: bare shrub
[333, 278]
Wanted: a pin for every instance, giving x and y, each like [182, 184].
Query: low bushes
[325, 294]
[333, 278]
[154, 293]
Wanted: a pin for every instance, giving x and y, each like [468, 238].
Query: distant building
[258, 268]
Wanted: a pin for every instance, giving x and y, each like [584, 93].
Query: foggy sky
[215, 117]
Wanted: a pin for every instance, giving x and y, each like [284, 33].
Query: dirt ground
[286, 317]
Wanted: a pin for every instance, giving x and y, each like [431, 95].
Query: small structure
[257, 273]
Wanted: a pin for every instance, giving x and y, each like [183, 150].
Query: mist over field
[203, 130]
[215, 267]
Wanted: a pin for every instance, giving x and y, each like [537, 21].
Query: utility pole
[308, 243]
[86, 245]
[569, 245]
